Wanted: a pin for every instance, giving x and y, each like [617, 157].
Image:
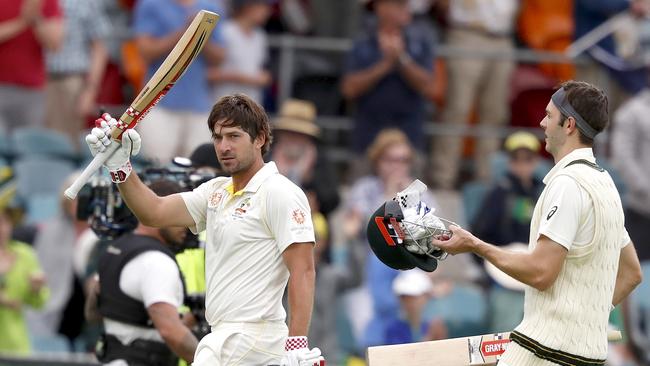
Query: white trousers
[167, 133]
[242, 344]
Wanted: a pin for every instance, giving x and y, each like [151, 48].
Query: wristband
[294, 343]
[120, 174]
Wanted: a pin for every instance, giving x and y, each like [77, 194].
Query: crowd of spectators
[61, 61]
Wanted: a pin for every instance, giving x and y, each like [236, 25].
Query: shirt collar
[254, 184]
[583, 153]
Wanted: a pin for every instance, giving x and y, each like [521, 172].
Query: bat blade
[181, 56]
[465, 351]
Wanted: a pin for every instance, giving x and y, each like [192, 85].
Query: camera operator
[139, 293]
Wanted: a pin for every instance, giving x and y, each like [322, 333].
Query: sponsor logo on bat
[494, 348]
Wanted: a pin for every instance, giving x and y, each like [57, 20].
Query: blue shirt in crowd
[158, 18]
[392, 102]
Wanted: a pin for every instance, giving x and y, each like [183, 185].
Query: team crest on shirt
[298, 216]
[215, 198]
[242, 208]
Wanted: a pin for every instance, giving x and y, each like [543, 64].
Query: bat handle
[95, 164]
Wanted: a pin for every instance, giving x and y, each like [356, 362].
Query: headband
[562, 103]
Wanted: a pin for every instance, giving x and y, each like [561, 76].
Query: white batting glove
[118, 164]
[299, 354]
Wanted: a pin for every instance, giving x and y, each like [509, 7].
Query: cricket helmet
[404, 242]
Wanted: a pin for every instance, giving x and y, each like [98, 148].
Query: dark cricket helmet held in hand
[386, 237]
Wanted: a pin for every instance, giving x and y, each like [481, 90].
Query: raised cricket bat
[465, 351]
[180, 57]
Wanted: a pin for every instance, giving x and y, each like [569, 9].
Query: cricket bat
[187, 48]
[465, 351]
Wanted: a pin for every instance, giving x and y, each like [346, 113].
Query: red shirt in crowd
[22, 60]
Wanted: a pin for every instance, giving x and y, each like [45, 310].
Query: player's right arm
[148, 207]
[538, 268]
[629, 274]
[151, 209]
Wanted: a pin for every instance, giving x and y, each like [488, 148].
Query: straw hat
[298, 116]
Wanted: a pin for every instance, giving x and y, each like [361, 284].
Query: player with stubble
[260, 239]
[580, 262]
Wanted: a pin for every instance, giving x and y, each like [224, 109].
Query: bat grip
[95, 164]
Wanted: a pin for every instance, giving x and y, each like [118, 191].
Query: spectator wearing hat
[507, 209]
[413, 288]
[243, 68]
[295, 152]
[389, 70]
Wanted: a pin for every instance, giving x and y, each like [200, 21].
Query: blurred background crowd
[365, 96]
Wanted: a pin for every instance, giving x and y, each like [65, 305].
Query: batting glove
[299, 354]
[118, 164]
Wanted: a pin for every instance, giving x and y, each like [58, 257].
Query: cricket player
[259, 238]
[580, 262]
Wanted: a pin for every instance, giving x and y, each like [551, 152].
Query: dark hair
[238, 110]
[590, 102]
[165, 187]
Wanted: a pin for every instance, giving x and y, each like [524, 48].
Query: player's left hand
[299, 354]
[461, 241]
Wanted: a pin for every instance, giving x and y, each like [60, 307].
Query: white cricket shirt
[567, 210]
[247, 231]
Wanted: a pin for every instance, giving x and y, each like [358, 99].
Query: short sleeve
[196, 202]
[289, 216]
[161, 281]
[561, 211]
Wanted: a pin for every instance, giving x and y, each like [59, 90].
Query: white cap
[412, 283]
